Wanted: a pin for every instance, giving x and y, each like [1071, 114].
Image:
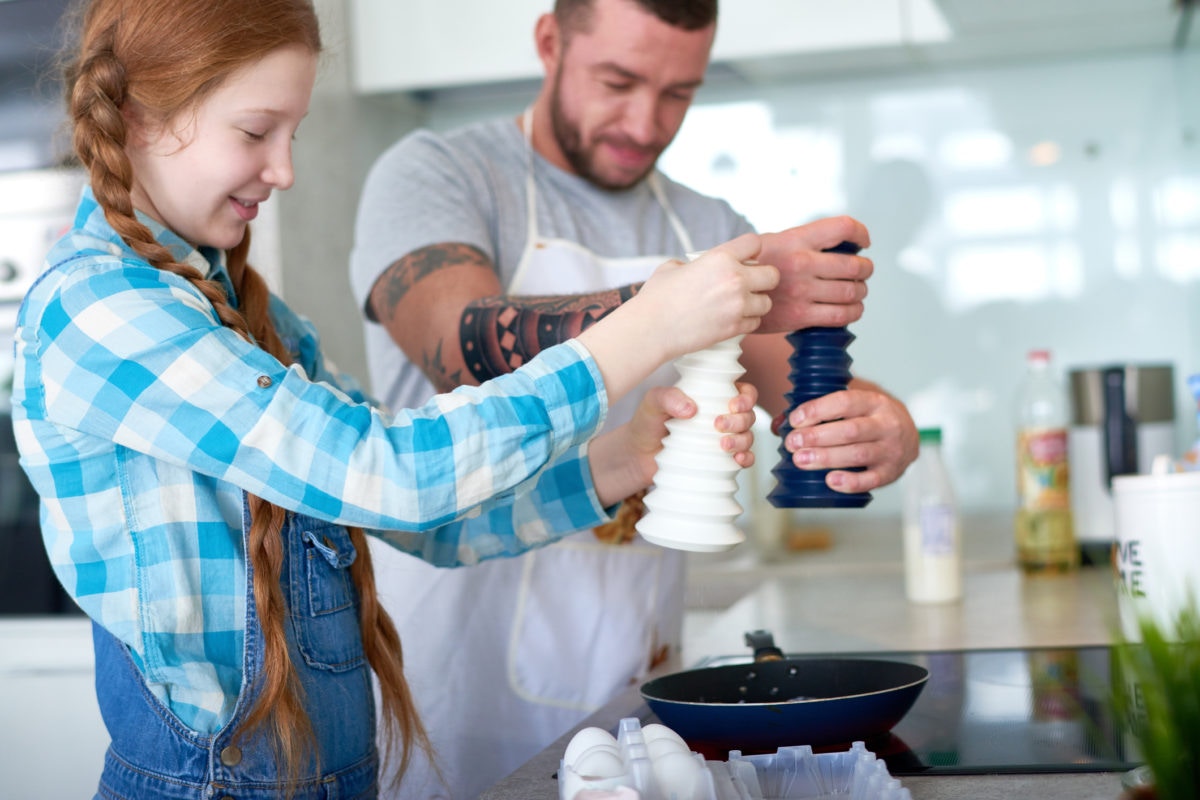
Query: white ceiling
[994, 30]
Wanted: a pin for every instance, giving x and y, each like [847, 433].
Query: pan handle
[764, 646]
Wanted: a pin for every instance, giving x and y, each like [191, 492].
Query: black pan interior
[789, 680]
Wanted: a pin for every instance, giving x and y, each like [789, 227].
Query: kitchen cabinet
[53, 740]
[752, 29]
[430, 44]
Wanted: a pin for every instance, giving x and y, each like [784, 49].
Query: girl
[205, 476]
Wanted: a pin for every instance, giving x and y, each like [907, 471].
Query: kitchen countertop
[850, 598]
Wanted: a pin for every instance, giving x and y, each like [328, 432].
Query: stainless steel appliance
[1122, 416]
[35, 207]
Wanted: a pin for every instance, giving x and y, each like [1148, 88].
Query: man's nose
[641, 118]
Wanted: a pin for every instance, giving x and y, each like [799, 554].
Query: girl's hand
[721, 294]
[682, 308]
[623, 459]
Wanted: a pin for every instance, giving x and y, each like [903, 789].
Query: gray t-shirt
[468, 186]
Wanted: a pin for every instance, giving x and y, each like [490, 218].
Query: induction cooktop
[1002, 711]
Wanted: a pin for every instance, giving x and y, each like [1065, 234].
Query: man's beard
[570, 142]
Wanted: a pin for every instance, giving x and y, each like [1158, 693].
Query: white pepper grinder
[692, 505]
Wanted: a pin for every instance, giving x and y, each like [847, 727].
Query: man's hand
[816, 289]
[862, 426]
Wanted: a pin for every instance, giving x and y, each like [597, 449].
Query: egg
[655, 731]
[586, 739]
[660, 747]
[599, 761]
[678, 775]
[660, 740]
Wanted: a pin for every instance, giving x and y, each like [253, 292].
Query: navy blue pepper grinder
[819, 365]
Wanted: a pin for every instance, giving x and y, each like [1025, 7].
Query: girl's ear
[137, 133]
[145, 131]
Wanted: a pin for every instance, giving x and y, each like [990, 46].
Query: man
[476, 249]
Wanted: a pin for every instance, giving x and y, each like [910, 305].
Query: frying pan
[776, 701]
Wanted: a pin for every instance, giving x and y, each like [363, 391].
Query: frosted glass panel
[1049, 205]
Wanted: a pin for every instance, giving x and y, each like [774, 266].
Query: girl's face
[203, 175]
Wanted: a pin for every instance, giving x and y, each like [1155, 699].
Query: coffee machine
[1122, 416]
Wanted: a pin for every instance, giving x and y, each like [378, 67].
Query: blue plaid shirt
[141, 421]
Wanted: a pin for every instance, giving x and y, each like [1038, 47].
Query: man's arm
[765, 357]
[444, 306]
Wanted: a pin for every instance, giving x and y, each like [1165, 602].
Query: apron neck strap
[530, 189]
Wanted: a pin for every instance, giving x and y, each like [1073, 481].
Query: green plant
[1158, 694]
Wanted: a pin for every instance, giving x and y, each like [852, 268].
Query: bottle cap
[1039, 355]
[931, 435]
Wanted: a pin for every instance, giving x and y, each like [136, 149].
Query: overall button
[231, 756]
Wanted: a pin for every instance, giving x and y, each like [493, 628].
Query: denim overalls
[153, 755]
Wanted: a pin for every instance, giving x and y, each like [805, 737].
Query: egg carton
[797, 773]
[654, 763]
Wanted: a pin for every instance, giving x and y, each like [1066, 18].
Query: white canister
[1157, 552]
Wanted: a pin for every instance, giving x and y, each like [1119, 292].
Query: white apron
[623, 602]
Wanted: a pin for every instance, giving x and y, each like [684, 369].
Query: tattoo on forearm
[434, 367]
[400, 277]
[499, 334]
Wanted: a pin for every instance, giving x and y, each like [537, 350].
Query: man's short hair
[575, 16]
